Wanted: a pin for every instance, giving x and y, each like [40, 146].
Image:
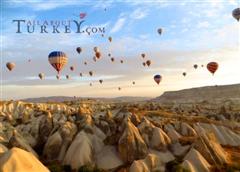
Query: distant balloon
[119, 88]
[10, 65]
[71, 68]
[41, 75]
[98, 55]
[96, 49]
[80, 74]
[202, 65]
[79, 50]
[85, 63]
[148, 62]
[236, 13]
[101, 81]
[212, 67]
[67, 77]
[184, 73]
[58, 60]
[94, 59]
[195, 66]
[90, 84]
[29, 60]
[102, 35]
[110, 39]
[90, 73]
[143, 55]
[58, 77]
[109, 55]
[144, 64]
[133, 82]
[112, 59]
[121, 61]
[160, 30]
[157, 78]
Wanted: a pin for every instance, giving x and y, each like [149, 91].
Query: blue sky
[194, 32]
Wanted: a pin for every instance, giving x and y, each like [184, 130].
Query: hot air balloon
[101, 81]
[184, 73]
[29, 60]
[160, 30]
[144, 64]
[195, 66]
[71, 68]
[90, 73]
[110, 39]
[79, 50]
[102, 35]
[112, 59]
[212, 67]
[109, 55]
[98, 55]
[133, 82]
[143, 55]
[236, 13]
[202, 65]
[148, 62]
[41, 75]
[96, 49]
[67, 77]
[10, 65]
[90, 84]
[157, 78]
[58, 77]
[85, 63]
[119, 88]
[80, 74]
[94, 59]
[121, 61]
[58, 60]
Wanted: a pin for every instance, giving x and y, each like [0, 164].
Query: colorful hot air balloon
[58, 60]
[41, 75]
[236, 13]
[98, 55]
[110, 39]
[112, 59]
[10, 65]
[184, 73]
[144, 64]
[90, 73]
[79, 50]
[71, 68]
[143, 55]
[212, 67]
[160, 30]
[148, 62]
[195, 66]
[101, 81]
[157, 78]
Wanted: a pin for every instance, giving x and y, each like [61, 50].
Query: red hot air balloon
[212, 67]
[98, 54]
[148, 62]
[157, 78]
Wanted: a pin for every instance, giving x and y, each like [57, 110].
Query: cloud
[139, 13]
[118, 25]
[203, 24]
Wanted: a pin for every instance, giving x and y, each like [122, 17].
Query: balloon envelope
[79, 50]
[41, 75]
[160, 30]
[10, 65]
[236, 14]
[212, 67]
[58, 60]
[157, 78]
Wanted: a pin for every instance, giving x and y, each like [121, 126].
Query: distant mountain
[66, 98]
[208, 93]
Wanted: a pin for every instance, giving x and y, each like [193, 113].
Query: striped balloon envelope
[58, 60]
[212, 67]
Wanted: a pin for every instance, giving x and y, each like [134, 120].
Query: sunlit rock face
[146, 136]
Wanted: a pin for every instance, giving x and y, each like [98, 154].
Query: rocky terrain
[90, 135]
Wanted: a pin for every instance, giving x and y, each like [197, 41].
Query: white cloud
[203, 24]
[118, 25]
[139, 13]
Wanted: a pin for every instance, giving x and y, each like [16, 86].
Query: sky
[194, 32]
